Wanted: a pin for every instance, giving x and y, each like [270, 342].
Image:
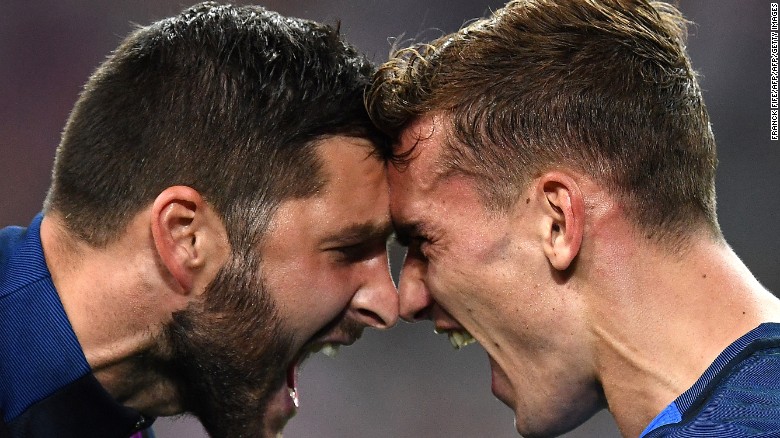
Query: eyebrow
[404, 231]
[360, 232]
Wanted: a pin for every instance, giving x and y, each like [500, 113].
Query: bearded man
[218, 211]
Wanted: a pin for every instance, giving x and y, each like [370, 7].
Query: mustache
[341, 327]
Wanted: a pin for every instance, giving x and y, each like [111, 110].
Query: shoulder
[742, 400]
[10, 239]
[21, 257]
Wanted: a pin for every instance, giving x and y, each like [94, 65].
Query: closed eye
[358, 252]
[358, 242]
[408, 234]
[402, 239]
[417, 245]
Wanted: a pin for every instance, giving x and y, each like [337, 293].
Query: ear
[188, 235]
[563, 218]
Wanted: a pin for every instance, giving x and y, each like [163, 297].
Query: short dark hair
[602, 86]
[229, 100]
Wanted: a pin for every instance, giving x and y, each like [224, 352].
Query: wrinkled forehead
[420, 149]
[415, 180]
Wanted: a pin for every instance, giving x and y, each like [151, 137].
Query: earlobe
[563, 218]
[177, 229]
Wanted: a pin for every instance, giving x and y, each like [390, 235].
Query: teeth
[330, 350]
[294, 397]
[460, 338]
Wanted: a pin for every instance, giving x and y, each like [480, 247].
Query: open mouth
[458, 338]
[329, 349]
[327, 341]
[292, 384]
[286, 400]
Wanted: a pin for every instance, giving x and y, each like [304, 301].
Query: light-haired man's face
[484, 271]
[322, 277]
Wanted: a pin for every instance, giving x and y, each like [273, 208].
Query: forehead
[355, 192]
[351, 164]
[421, 143]
[412, 183]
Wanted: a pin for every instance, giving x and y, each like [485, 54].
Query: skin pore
[185, 323]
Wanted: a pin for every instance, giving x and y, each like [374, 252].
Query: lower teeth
[294, 396]
[460, 339]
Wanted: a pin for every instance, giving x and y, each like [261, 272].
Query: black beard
[230, 354]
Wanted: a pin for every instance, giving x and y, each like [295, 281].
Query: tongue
[292, 382]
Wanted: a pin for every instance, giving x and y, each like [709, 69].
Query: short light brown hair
[601, 86]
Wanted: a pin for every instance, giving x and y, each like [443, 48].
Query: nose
[375, 304]
[415, 300]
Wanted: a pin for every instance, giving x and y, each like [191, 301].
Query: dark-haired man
[554, 180]
[218, 211]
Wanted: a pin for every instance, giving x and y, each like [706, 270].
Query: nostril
[415, 304]
[372, 318]
[422, 314]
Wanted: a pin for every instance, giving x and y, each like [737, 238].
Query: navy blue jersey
[47, 388]
[738, 395]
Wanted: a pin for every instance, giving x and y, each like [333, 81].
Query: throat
[143, 382]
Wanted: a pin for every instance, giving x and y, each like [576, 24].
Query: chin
[554, 419]
[530, 426]
[236, 363]
[542, 430]
[235, 384]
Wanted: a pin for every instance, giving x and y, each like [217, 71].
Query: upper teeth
[329, 349]
[460, 338]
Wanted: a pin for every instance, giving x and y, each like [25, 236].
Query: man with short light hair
[218, 211]
[554, 179]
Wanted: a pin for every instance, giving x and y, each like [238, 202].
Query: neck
[660, 319]
[109, 298]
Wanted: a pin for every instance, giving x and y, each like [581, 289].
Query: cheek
[484, 290]
[459, 286]
[469, 270]
[315, 296]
